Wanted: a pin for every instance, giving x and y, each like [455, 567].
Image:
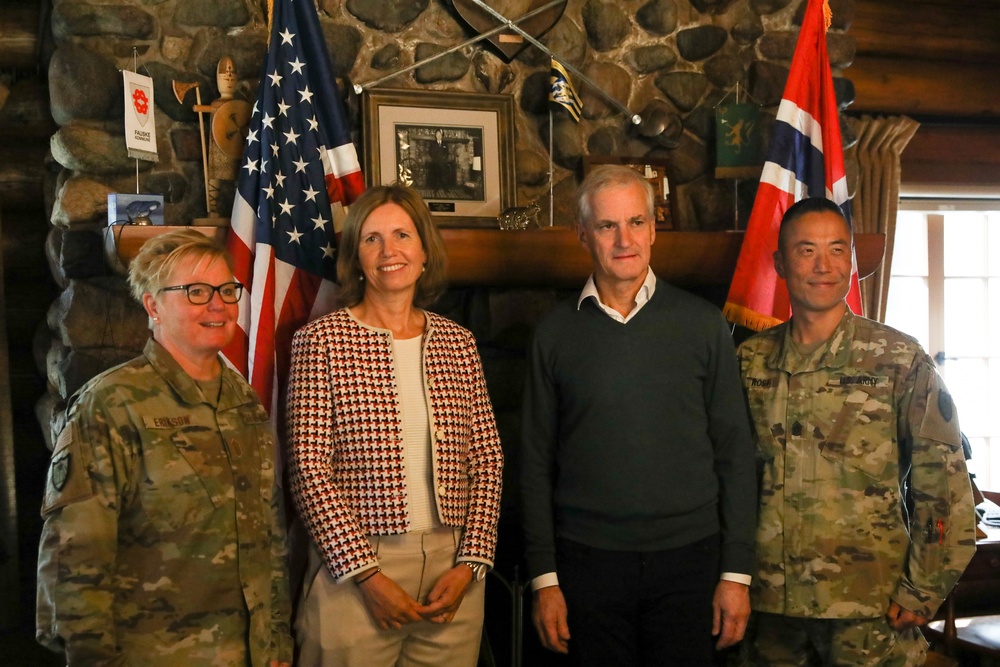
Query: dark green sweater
[636, 436]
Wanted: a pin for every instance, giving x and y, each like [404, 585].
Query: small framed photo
[455, 149]
[655, 171]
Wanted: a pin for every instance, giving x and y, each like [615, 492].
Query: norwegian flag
[805, 159]
[299, 170]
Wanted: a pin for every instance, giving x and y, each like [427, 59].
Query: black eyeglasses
[201, 293]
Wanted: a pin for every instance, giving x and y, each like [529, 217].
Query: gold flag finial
[270, 19]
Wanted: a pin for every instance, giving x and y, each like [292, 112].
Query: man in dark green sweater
[637, 473]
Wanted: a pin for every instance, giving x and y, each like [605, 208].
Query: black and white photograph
[455, 149]
[441, 162]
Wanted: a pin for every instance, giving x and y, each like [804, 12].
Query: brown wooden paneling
[8, 503]
[22, 173]
[948, 30]
[18, 35]
[27, 115]
[961, 90]
[926, 57]
[953, 155]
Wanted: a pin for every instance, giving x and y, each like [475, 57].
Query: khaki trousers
[334, 629]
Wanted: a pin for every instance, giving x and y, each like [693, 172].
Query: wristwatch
[478, 570]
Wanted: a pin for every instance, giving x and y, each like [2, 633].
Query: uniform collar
[183, 385]
[834, 353]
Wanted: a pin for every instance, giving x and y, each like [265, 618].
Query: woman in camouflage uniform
[163, 541]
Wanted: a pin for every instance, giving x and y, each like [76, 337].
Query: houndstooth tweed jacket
[347, 466]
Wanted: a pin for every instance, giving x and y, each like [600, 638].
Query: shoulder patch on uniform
[945, 405]
[59, 470]
[69, 479]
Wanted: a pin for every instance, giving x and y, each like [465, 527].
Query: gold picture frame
[456, 149]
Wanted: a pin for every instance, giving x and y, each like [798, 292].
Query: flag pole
[551, 175]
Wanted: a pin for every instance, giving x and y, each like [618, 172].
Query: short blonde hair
[159, 256]
[431, 283]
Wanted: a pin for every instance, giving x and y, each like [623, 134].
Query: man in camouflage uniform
[866, 512]
[163, 541]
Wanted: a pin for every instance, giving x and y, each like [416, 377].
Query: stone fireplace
[677, 58]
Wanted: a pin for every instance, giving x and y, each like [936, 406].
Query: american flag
[805, 159]
[299, 170]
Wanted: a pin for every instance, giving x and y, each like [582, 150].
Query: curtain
[881, 141]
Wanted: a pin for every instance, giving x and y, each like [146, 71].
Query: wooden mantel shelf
[551, 257]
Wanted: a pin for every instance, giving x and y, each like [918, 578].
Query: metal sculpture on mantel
[520, 217]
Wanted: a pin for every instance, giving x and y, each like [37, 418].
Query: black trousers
[652, 609]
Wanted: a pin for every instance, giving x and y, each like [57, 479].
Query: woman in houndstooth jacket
[395, 459]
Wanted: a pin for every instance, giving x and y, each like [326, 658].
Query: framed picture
[455, 149]
[655, 171]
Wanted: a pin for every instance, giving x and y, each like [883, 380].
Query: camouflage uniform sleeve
[281, 603]
[79, 539]
[942, 523]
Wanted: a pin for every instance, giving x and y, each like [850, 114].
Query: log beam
[22, 175]
[959, 155]
[27, 115]
[953, 30]
[923, 87]
[19, 35]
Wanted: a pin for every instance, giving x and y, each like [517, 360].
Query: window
[944, 291]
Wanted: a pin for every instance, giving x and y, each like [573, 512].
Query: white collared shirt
[643, 296]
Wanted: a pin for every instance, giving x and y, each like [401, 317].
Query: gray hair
[607, 176]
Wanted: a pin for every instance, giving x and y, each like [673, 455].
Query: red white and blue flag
[299, 170]
[805, 159]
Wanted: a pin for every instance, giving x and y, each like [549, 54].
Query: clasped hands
[391, 607]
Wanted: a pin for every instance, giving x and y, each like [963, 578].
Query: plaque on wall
[509, 42]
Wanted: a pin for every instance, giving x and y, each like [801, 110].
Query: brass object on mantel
[550, 257]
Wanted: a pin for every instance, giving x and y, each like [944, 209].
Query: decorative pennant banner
[140, 125]
[562, 93]
[737, 141]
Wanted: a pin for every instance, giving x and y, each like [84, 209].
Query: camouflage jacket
[865, 497]
[163, 541]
